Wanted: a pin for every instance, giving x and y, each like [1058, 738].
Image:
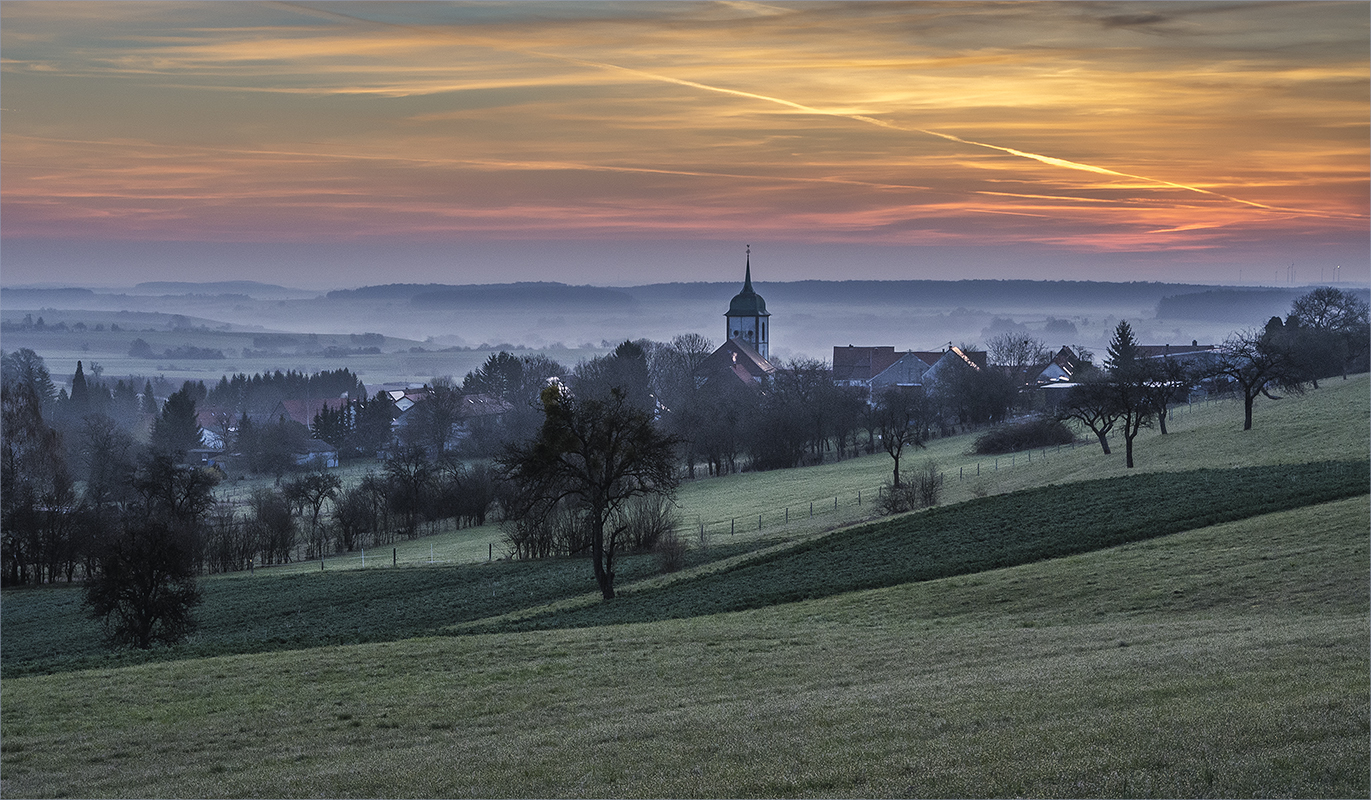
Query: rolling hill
[1216, 655]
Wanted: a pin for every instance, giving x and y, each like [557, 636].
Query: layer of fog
[437, 330]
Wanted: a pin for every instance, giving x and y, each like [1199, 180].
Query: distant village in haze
[716, 398]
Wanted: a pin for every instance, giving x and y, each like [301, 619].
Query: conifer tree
[149, 400]
[1123, 349]
[177, 429]
[80, 392]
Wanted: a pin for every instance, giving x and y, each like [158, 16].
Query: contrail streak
[1049, 160]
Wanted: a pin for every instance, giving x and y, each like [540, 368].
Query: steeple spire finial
[747, 279]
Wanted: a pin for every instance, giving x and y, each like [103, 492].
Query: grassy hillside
[977, 536]
[243, 613]
[1221, 661]
[1228, 661]
[45, 630]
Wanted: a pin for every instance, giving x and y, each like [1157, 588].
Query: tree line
[578, 462]
[1324, 335]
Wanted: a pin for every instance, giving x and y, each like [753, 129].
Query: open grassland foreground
[1226, 660]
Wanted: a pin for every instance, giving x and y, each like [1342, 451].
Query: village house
[877, 368]
[472, 409]
[1194, 352]
[317, 453]
[304, 411]
[1059, 377]
[1063, 366]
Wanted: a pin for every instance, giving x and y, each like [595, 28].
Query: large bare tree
[1254, 362]
[600, 452]
[903, 417]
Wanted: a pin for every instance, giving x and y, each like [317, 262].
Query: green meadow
[1063, 627]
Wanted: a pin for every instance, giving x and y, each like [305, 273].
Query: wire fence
[854, 504]
[371, 558]
[862, 504]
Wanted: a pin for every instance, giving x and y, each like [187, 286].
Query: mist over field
[428, 330]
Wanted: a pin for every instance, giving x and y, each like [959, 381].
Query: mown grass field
[1220, 661]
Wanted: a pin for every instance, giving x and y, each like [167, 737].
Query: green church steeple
[747, 314]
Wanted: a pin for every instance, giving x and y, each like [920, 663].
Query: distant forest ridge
[1171, 300]
[928, 292]
[1234, 305]
[925, 293]
[45, 296]
[436, 295]
[216, 287]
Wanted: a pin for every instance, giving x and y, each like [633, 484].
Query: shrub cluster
[1037, 432]
[563, 530]
[671, 552]
[921, 488]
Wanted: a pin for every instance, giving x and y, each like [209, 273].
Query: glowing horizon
[1132, 132]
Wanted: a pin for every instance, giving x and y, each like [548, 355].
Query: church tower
[747, 317]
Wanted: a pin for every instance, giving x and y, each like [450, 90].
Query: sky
[618, 143]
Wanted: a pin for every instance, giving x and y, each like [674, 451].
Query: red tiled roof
[862, 363]
[304, 411]
[212, 416]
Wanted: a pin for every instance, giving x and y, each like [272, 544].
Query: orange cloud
[900, 123]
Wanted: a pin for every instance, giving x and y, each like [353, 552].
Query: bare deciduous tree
[903, 417]
[1253, 362]
[600, 452]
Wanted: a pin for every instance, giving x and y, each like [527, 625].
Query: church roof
[738, 358]
[747, 303]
